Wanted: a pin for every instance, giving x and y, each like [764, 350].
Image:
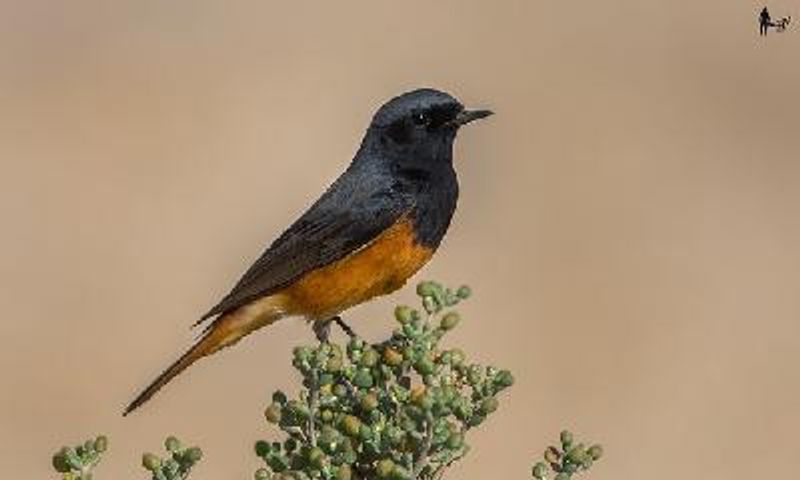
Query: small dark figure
[764, 21]
[781, 24]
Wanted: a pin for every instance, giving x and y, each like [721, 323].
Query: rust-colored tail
[198, 350]
[223, 332]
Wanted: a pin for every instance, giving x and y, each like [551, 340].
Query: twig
[439, 472]
[296, 433]
[425, 449]
[313, 405]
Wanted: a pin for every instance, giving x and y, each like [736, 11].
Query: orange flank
[380, 267]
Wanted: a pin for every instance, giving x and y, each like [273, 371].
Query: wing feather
[348, 216]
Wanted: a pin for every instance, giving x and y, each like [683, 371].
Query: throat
[434, 205]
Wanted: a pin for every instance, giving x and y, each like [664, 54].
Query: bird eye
[421, 118]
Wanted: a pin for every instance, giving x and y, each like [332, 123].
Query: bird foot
[322, 329]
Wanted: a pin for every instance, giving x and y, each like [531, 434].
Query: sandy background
[630, 218]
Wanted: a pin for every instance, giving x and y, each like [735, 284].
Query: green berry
[302, 354]
[562, 476]
[326, 415]
[72, 458]
[392, 357]
[194, 454]
[364, 433]
[333, 365]
[450, 320]
[316, 457]
[429, 289]
[430, 304]
[273, 413]
[151, 462]
[278, 463]
[474, 374]
[344, 473]
[552, 455]
[504, 378]
[279, 397]
[261, 474]
[101, 443]
[489, 405]
[577, 454]
[403, 314]
[540, 471]
[394, 435]
[462, 409]
[351, 425]
[444, 358]
[363, 379]
[60, 463]
[417, 393]
[172, 444]
[369, 358]
[595, 451]
[455, 441]
[409, 354]
[424, 366]
[263, 448]
[369, 402]
[384, 468]
[457, 357]
[566, 439]
[425, 402]
[340, 390]
[464, 292]
[290, 445]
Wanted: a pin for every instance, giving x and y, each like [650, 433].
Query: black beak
[466, 116]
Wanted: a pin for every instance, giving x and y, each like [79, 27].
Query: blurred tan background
[630, 218]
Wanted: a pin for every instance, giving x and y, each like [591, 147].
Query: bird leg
[345, 327]
[322, 329]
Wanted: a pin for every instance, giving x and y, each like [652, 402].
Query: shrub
[397, 410]
[400, 409]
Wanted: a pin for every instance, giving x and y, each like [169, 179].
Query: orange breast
[380, 267]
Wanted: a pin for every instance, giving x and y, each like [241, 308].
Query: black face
[424, 124]
[417, 129]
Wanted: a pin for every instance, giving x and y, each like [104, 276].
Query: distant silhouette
[781, 24]
[764, 21]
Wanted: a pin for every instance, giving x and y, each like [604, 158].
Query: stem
[425, 449]
[313, 405]
[296, 433]
[439, 472]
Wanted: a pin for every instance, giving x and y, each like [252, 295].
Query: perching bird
[374, 227]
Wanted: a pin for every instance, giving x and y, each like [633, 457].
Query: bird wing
[353, 211]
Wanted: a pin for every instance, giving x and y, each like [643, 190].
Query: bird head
[417, 128]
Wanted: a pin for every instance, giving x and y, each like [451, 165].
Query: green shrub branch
[400, 409]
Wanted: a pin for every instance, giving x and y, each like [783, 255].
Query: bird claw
[322, 329]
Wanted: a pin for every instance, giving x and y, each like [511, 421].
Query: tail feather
[222, 332]
[204, 346]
